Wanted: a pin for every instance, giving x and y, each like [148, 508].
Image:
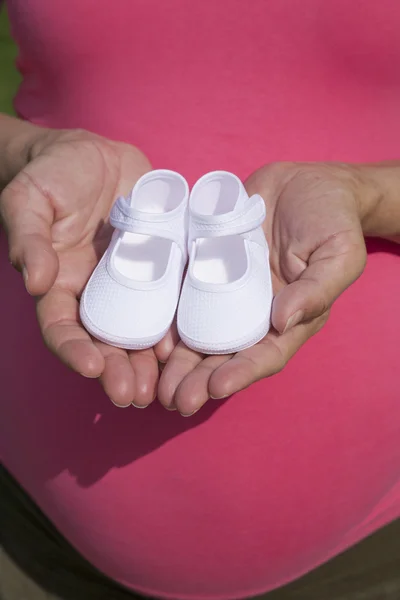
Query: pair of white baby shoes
[224, 304]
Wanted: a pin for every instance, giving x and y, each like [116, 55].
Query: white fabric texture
[226, 298]
[131, 298]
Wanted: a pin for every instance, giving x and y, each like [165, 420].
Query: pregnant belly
[247, 494]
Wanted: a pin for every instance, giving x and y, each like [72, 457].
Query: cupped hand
[55, 213]
[316, 251]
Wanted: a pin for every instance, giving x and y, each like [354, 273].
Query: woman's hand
[55, 213]
[313, 227]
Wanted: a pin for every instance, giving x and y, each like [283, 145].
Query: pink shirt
[251, 492]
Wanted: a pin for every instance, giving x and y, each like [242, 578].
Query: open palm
[316, 251]
[55, 212]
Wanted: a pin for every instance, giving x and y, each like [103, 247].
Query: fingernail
[91, 377]
[136, 406]
[25, 276]
[170, 408]
[191, 414]
[294, 320]
[219, 397]
[119, 405]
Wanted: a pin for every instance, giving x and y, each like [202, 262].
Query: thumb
[27, 216]
[331, 269]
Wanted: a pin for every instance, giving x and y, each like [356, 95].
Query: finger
[331, 269]
[58, 315]
[118, 378]
[193, 393]
[27, 216]
[145, 366]
[181, 362]
[164, 348]
[262, 360]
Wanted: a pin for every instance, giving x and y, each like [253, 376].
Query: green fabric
[9, 76]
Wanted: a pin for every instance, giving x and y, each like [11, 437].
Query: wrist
[379, 199]
[17, 139]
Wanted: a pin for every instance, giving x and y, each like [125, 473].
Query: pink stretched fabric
[254, 491]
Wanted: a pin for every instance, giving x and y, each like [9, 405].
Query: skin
[58, 189]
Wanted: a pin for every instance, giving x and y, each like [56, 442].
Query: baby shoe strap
[169, 225]
[239, 221]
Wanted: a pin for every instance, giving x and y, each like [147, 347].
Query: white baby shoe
[131, 298]
[226, 298]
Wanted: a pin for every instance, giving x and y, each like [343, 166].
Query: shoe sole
[118, 342]
[233, 347]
